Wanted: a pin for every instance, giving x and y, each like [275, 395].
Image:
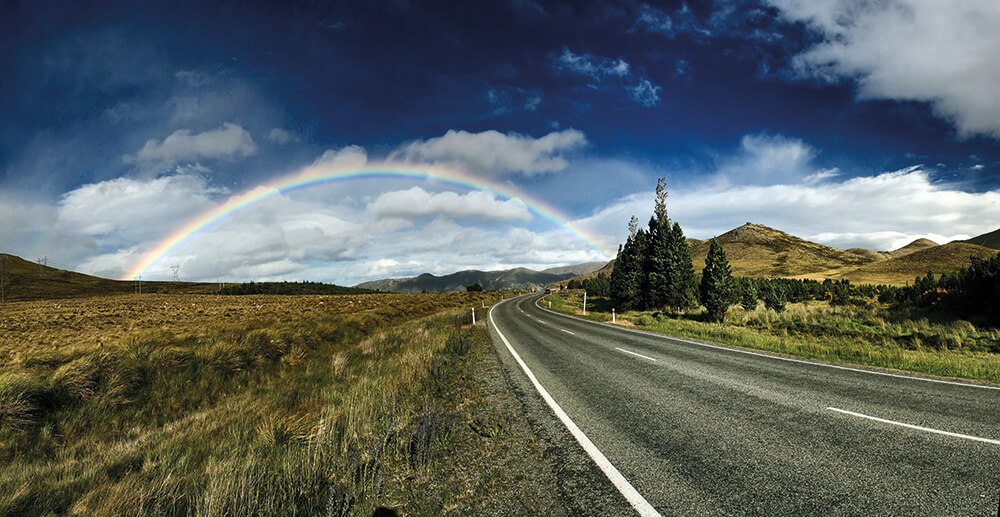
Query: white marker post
[550, 304]
[585, 303]
[484, 302]
[473, 316]
[612, 315]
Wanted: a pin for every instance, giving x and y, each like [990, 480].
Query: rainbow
[319, 175]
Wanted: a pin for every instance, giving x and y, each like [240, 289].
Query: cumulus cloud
[417, 203]
[127, 209]
[352, 156]
[765, 158]
[880, 212]
[493, 153]
[942, 53]
[229, 142]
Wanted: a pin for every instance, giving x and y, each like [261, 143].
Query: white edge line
[635, 354]
[917, 427]
[568, 332]
[631, 494]
[770, 356]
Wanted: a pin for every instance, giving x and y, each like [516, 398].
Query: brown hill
[23, 280]
[917, 245]
[990, 240]
[904, 268]
[759, 251]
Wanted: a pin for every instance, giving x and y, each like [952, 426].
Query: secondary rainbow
[324, 175]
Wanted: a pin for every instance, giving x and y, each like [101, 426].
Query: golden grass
[256, 405]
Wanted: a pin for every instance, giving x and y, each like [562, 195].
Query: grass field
[284, 405]
[851, 334]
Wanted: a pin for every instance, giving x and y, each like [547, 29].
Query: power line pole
[3, 264]
[42, 262]
[138, 284]
[175, 268]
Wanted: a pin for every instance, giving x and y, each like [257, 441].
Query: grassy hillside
[25, 280]
[759, 251]
[917, 245]
[902, 269]
[990, 240]
[259, 405]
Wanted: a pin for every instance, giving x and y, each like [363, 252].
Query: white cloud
[644, 93]
[942, 53]
[351, 156]
[597, 69]
[229, 142]
[127, 209]
[765, 158]
[493, 153]
[416, 203]
[879, 212]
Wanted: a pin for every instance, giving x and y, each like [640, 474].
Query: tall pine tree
[682, 292]
[716, 283]
[657, 285]
[626, 278]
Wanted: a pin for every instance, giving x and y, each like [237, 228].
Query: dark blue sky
[682, 89]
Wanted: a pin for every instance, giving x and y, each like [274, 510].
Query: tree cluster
[653, 269]
[973, 290]
[291, 288]
[599, 285]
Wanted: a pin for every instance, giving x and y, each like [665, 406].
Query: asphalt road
[701, 430]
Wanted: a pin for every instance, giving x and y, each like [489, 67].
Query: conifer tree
[625, 283]
[716, 283]
[682, 291]
[748, 298]
[656, 267]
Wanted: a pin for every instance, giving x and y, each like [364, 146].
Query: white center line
[917, 427]
[635, 354]
[568, 332]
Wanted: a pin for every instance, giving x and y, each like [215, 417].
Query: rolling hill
[990, 240]
[25, 280]
[759, 251]
[509, 279]
[917, 245]
[904, 268]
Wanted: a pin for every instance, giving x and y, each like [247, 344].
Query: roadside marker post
[585, 303]
[612, 315]
[550, 304]
[473, 316]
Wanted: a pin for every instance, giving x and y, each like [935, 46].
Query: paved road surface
[700, 430]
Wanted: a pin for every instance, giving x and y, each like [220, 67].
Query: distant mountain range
[508, 279]
[756, 250]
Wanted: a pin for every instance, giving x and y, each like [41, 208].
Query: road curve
[700, 430]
